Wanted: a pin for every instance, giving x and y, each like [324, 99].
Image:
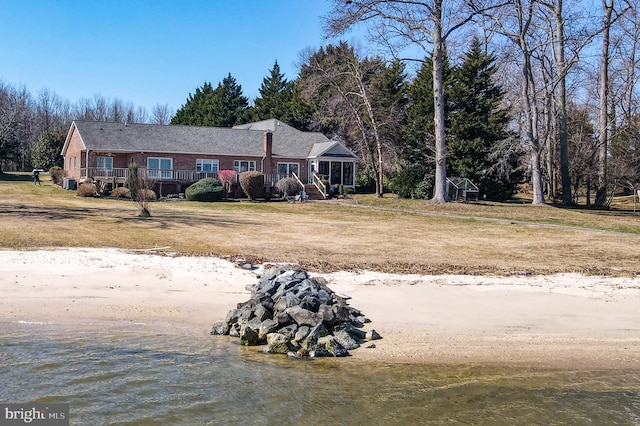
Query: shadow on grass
[15, 177]
[158, 221]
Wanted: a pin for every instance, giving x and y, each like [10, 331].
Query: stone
[220, 328]
[286, 301]
[296, 315]
[346, 340]
[315, 333]
[301, 334]
[289, 331]
[373, 335]
[267, 326]
[262, 313]
[303, 316]
[283, 319]
[310, 302]
[331, 345]
[249, 332]
[278, 344]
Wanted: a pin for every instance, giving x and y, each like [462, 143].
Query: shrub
[413, 182]
[207, 189]
[147, 194]
[87, 189]
[56, 173]
[121, 192]
[252, 183]
[288, 186]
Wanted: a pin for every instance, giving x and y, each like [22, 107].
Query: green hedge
[207, 189]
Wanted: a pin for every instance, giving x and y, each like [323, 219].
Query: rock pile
[296, 315]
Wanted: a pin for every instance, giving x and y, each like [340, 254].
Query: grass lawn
[386, 234]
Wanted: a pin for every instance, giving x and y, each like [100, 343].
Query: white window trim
[215, 164]
[160, 173]
[251, 166]
[107, 162]
[288, 164]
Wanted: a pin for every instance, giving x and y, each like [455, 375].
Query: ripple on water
[145, 374]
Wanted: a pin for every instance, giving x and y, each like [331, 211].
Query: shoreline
[558, 321]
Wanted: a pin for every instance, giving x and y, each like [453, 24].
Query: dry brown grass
[388, 234]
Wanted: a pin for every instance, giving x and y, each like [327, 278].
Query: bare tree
[161, 114]
[397, 24]
[339, 82]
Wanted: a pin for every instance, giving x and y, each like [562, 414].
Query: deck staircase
[312, 192]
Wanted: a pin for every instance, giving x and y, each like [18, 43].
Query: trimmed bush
[288, 186]
[207, 189]
[121, 192]
[147, 194]
[56, 173]
[87, 189]
[252, 183]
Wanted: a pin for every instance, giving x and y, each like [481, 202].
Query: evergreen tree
[419, 145]
[477, 123]
[198, 110]
[46, 152]
[230, 104]
[224, 106]
[281, 100]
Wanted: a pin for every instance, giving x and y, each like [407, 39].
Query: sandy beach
[564, 321]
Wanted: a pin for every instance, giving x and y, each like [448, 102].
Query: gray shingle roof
[245, 140]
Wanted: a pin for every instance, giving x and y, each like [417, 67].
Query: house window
[105, 163]
[244, 166]
[159, 168]
[347, 173]
[285, 169]
[206, 165]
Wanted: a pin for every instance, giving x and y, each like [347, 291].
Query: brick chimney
[268, 144]
[267, 165]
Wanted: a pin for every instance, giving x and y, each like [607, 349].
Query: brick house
[174, 157]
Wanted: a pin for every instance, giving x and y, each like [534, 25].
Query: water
[144, 374]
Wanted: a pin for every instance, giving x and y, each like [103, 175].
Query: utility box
[69, 184]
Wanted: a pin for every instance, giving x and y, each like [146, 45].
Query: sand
[558, 321]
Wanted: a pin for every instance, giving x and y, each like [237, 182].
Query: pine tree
[280, 99]
[224, 106]
[477, 123]
[418, 148]
[197, 111]
[230, 104]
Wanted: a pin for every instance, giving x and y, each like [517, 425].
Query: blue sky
[150, 52]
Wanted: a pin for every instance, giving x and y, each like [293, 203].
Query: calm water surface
[143, 374]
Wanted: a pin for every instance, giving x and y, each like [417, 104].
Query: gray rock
[262, 313]
[315, 333]
[220, 328]
[278, 344]
[373, 335]
[249, 332]
[283, 319]
[301, 334]
[331, 345]
[286, 301]
[346, 340]
[289, 331]
[267, 326]
[304, 316]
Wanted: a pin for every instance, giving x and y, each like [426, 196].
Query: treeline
[33, 127]
[504, 93]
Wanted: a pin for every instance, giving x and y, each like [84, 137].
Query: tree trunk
[440, 188]
[531, 129]
[603, 138]
[561, 66]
